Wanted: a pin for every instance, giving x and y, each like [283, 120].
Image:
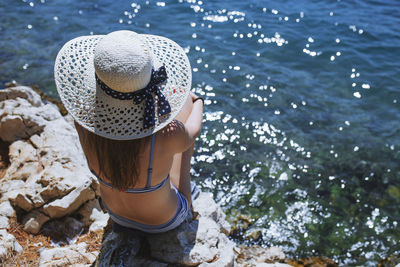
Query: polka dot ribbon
[157, 77]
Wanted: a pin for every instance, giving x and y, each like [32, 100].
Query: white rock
[21, 92]
[36, 141]
[72, 255]
[23, 172]
[8, 244]
[21, 151]
[10, 189]
[273, 253]
[6, 209]
[20, 120]
[24, 161]
[100, 220]
[57, 180]
[4, 222]
[69, 203]
[59, 132]
[49, 171]
[205, 205]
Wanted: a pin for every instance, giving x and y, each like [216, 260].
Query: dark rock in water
[313, 261]
[251, 256]
[13, 83]
[392, 261]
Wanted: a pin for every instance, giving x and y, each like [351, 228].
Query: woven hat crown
[98, 76]
[122, 60]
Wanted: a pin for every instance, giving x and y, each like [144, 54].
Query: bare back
[151, 208]
[159, 206]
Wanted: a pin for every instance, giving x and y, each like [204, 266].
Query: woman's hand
[193, 96]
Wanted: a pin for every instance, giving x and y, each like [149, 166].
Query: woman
[137, 121]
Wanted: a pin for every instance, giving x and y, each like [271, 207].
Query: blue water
[301, 130]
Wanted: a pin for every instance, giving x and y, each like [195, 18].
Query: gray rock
[198, 242]
[64, 231]
[193, 243]
[33, 221]
[23, 202]
[93, 216]
[120, 249]
[87, 209]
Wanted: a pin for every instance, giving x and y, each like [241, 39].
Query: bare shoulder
[173, 136]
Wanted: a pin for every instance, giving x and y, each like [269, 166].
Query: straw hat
[123, 85]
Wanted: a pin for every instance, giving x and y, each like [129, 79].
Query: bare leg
[180, 170]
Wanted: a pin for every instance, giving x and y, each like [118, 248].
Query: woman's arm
[195, 119]
[183, 134]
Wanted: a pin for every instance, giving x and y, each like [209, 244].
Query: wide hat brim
[112, 118]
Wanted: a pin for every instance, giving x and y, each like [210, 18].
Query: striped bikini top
[148, 188]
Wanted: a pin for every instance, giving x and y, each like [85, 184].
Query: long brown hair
[117, 159]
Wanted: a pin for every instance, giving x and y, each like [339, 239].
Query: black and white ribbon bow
[153, 88]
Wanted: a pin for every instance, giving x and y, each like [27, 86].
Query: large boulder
[22, 113]
[48, 176]
[201, 241]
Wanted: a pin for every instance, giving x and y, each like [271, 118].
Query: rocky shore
[49, 203]
[50, 213]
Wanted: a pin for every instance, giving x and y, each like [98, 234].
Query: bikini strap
[150, 170]
[83, 136]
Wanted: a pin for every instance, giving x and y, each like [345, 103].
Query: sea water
[302, 117]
